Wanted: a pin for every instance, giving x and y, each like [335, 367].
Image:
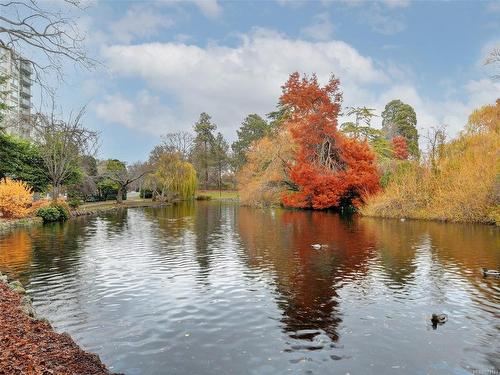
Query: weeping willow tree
[185, 182]
[173, 178]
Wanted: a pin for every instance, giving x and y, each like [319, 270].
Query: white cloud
[145, 112]
[382, 21]
[209, 8]
[139, 22]
[321, 28]
[388, 3]
[230, 82]
[451, 112]
[292, 3]
[397, 3]
[494, 6]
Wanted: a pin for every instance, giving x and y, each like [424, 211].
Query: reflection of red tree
[307, 280]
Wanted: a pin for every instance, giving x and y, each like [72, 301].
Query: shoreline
[430, 220]
[29, 344]
[7, 226]
[10, 225]
[102, 207]
[88, 209]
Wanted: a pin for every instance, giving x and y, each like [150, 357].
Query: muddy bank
[29, 345]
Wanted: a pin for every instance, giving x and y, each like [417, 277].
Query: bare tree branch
[45, 36]
[494, 60]
[62, 145]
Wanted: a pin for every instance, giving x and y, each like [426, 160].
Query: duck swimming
[438, 319]
[487, 272]
[318, 246]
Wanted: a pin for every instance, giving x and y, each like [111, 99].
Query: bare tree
[44, 33]
[62, 144]
[124, 176]
[436, 137]
[136, 169]
[494, 60]
[181, 142]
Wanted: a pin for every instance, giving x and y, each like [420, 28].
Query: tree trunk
[56, 190]
[206, 166]
[220, 181]
[119, 195]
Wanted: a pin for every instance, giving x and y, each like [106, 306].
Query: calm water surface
[213, 288]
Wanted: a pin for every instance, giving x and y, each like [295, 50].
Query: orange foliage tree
[400, 148]
[329, 170]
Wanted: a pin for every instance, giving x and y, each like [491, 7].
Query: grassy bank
[216, 195]
[7, 225]
[459, 183]
[111, 205]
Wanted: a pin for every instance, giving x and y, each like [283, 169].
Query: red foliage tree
[329, 170]
[400, 148]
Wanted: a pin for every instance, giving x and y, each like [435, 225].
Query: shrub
[39, 204]
[74, 203]
[202, 197]
[49, 214]
[63, 208]
[463, 186]
[55, 211]
[15, 198]
[146, 194]
[75, 197]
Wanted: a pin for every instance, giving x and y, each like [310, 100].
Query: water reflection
[16, 253]
[306, 280]
[208, 288]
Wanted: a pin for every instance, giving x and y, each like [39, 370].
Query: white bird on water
[318, 246]
[487, 272]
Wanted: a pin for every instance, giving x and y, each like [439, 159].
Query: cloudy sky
[164, 62]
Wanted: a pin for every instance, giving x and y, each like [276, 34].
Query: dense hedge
[57, 211]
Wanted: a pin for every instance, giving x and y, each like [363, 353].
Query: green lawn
[132, 202]
[215, 194]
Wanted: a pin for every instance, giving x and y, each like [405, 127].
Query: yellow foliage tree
[484, 119]
[464, 186]
[260, 181]
[172, 177]
[15, 199]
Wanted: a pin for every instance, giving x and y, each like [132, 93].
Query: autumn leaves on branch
[329, 170]
[324, 168]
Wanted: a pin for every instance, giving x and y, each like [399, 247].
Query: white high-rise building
[17, 92]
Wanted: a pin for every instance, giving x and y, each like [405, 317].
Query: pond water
[213, 288]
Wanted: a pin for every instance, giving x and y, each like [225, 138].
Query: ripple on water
[217, 289]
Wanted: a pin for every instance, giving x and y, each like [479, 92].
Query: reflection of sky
[219, 289]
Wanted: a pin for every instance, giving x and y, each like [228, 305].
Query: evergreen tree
[220, 156]
[202, 153]
[400, 119]
[252, 129]
[20, 160]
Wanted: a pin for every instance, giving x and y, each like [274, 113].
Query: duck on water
[487, 272]
[438, 319]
